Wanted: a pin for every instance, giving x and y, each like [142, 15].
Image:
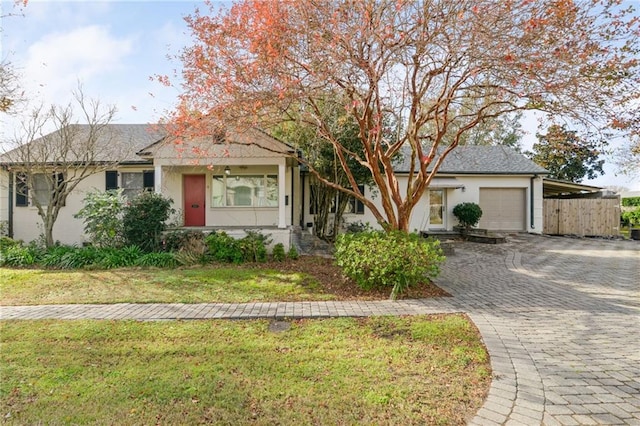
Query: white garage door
[503, 209]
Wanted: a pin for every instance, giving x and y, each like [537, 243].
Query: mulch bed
[333, 282]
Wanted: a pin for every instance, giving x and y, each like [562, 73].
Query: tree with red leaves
[439, 68]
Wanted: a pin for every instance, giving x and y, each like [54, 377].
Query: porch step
[487, 239]
[310, 245]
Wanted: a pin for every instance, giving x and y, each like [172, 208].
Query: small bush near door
[388, 259]
[468, 214]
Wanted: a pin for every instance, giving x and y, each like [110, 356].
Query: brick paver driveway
[561, 319]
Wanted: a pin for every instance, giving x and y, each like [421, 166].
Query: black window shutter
[22, 191]
[148, 180]
[111, 180]
[60, 188]
[359, 204]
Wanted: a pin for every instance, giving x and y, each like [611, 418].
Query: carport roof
[553, 187]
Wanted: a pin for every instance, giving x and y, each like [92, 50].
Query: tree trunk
[48, 231]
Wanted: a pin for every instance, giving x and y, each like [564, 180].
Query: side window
[134, 183]
[356, 206]
[48, 188]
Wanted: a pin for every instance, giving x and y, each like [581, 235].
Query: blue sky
[112, 48]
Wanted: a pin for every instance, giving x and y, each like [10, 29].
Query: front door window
[436, 208]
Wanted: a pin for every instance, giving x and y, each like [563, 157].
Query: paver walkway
[560, 318]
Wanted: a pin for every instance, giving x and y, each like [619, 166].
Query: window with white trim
[43, 187]
[244, 191]
[133, 183]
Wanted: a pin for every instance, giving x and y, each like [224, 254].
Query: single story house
[247, 179]
[506, 184]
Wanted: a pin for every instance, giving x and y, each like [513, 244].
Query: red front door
[194, 189]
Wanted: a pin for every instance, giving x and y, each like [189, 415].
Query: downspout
[531, 200]
[10, 204]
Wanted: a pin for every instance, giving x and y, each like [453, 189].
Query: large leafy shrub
[631, 202]
[144, 220]
[102, 215]
[223, 248]
[395, 259]
[468, 214]
[631, 217]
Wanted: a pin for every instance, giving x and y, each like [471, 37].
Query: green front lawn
[204, 284]
[384, 370]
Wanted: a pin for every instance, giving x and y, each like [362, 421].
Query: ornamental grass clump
[395, 259]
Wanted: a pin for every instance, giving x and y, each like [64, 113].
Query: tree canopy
[439, 68]
[566, 155]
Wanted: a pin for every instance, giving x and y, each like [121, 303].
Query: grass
[381, 370]
[206, 284]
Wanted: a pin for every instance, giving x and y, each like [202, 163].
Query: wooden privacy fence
[592, 217]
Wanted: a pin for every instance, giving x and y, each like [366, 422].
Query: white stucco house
[250, 180]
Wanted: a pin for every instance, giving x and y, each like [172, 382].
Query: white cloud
[57, 61]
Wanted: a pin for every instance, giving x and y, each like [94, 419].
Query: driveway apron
[561, 320]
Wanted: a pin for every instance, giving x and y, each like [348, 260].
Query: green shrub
[278, 253]
[254, 246]
[157, 260]
[375, 259]
[631, 217]
[144, 220]
[468, 214]
[52, 258]
[6, 242]
[358, 226]
[111, 258]
[78, 258]
[293, 253]
[19, 255]
[223, 248]
[631, 202]
[4, 228]
[102, 214]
